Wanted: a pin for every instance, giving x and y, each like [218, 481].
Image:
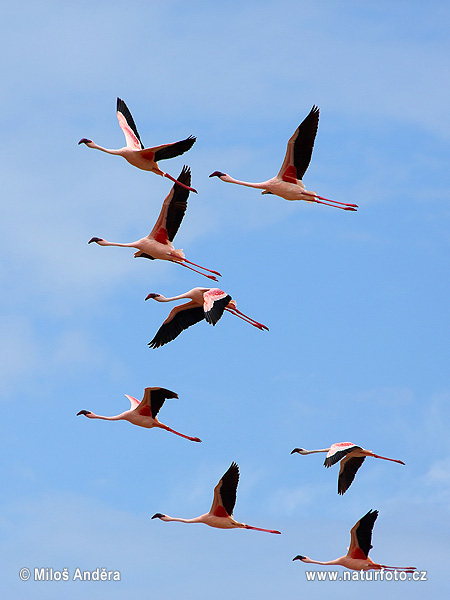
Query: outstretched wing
[361, 536]
[153, 399]
[179, 319]
[128, 126]
[347, 472]
[175, 149]
[338, 451]
[299, 148]
[134, 402]
[214, 303]
[173, 209]
[225, 493]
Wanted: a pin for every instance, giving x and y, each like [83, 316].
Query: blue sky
[356, 303]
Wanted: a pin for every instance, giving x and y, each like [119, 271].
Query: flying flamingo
[221, 512]
[158, 244]
[288, 183]
[205, 303]
[351, 457]
[135, 153]
[357, 557]
[144, 413]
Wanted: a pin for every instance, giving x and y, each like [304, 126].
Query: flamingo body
[134, 151]
[220, 514]
[351, 458]
[205, 303]
[144, 413]
[288, 183]
[357, 557]
[158, 244]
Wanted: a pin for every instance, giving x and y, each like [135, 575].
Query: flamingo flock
[209, 304]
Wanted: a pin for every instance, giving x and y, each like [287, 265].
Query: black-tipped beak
[84, 141]
[295, 450]
[151, 296]
[217, 174]
[157, 516]
[94, 239]
[84, 412]
[299, 557]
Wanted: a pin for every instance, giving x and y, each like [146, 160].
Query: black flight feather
[178, 204]
[157, 398]
[347, 476]
[123, 108]
[217, 310]
[228, 488]
[175, 149]
[337, 456]
[303, 145]
[172, 329]
[364, 531]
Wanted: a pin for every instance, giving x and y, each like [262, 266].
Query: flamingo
[221, 512]
[205, 303]
[144, 413]
[351, 457]
[135, 153]
[158, 244]
[357, 557]
[288, 183]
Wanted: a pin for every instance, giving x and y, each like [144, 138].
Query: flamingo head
[154, 297]
[158, 516]
[85, 141]
[84, 412]
[97, 240]
[299, 450]
[217, 174]
[299, 557]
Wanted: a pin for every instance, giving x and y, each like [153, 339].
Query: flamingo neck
[113, 418]
[124, 245]
[336, 561]
[229, 179]
[180, 520]
[315, 451]
[107, 150]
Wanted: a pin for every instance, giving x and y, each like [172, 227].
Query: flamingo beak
[158, 516]
[217, 174]
[296, 450]
[94, 239]
[152, 296]
[84, 141]
[299, 557]
[84, 412]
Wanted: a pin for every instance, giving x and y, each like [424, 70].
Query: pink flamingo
[357, 557]
[220, 514]
[144, 413]
[158, 244]
[135, 153]
[351, 457]
[205, 303]
[288, 183]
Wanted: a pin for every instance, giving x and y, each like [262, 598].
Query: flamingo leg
[259, 529]
[328, 200]
[384, 458]
[238, 313]
[187, 437]
[247, 319]
[204, 268]
[195, 270]
[186, 187]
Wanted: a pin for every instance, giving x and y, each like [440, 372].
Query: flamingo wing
[173, 210]
[179, 319]
[225, 493]
[154, 398]
[361, 536]
[347, 472]
[128, 126]
[338, 452]
[299, 148]
[214, 303]
[171, 150]
[134, 402]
